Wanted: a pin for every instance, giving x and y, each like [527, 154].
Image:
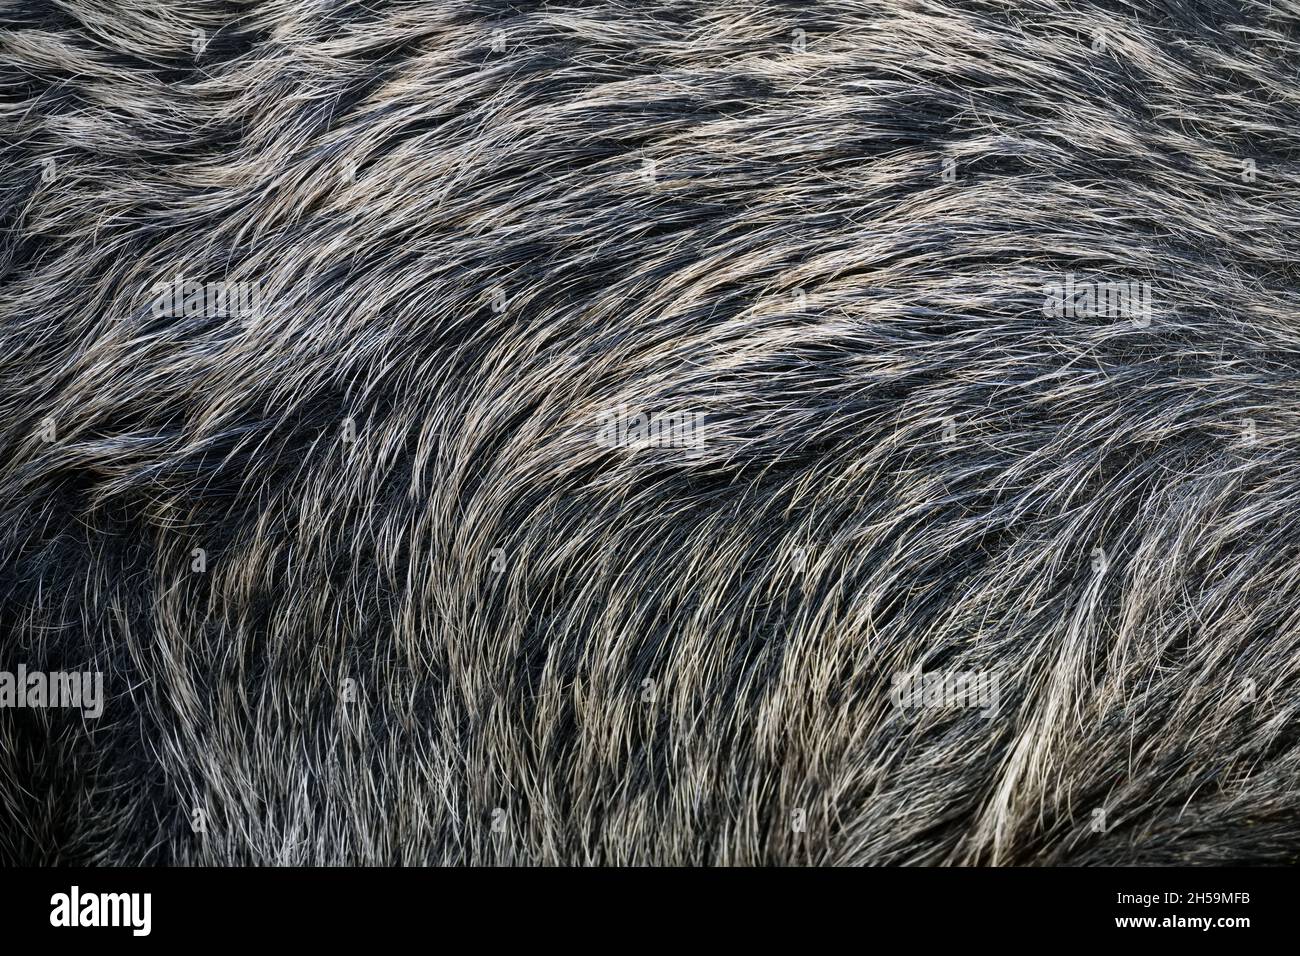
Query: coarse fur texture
[435, 620]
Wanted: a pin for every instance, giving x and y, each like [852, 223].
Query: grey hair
[365, 584]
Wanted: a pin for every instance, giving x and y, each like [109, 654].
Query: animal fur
[437, 620]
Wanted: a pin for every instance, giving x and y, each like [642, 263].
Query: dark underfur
[504, 716]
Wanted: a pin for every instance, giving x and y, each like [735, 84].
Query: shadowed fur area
[366, 578]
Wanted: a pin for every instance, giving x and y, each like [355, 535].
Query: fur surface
[366, 585]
